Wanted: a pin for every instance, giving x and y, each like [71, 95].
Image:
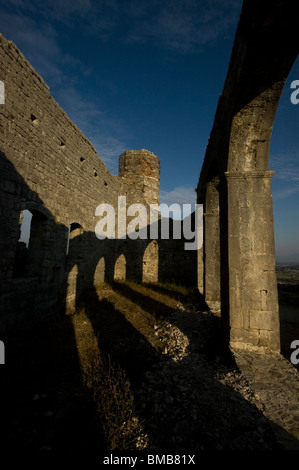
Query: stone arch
[264, 51]
[150, 262]
[211, 252]
[252, 300]
[32, 248]
[100, 271]
[120, 268]
[75, 254]
[71, 290]
[21, 253]
[74, 230]
[2, 92]
[75, 246]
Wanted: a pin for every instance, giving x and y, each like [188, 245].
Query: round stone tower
[140, 171]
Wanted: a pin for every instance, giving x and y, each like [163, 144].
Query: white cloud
[289, 173]
[178, 25]
[52, 9]
[40, 45]
[281, 161]
[105, 134]
[185, 26]
[282, 193]
[179, 195]
[286, 178]
[109, 149]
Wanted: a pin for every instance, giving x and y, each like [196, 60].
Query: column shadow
[185, 401]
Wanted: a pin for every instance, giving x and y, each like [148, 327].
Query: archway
[74, 258]
[264, 50]
[150, 267]
[120, 268]
[32, 245]
[99, 273]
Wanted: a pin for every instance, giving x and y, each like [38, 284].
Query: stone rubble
[195, 398]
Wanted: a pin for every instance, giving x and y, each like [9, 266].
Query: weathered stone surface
[50, 168]
[239, 236]
[196, 399]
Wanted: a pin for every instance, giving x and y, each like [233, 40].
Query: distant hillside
[287, 273]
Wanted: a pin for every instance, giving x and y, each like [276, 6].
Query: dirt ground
[47, 403]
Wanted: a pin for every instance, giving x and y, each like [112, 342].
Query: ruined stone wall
[49, 168]
[163, 260]
[235, 181]
[140, 171]
[50, 153]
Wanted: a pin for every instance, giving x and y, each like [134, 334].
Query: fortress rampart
[49, 168]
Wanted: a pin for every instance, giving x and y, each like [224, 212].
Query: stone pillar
[140, 181]
[200, 270]
[253, 299]
[141, 170]
[212, 246]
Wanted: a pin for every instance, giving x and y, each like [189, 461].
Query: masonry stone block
[51, 169]
[264, 51]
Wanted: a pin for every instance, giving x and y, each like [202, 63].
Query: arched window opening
[99, 274]
[150, 268]
[21, 254]
[30, 250]
[2, 93]
[25, 226]
[120, 269]
[76, 264]
[283, 159]
[74, 231]
[71, 290]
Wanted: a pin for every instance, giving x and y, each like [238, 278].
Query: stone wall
[235, 181]
[49, 168]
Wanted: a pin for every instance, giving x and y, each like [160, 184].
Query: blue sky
[147, 74]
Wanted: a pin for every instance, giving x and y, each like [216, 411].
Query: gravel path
[275, 382]
[195, 398]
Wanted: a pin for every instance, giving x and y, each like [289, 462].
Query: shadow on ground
[187, 390]
[188, 393]
[44, 406]
[289, 316]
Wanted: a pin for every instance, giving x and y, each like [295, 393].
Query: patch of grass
[287, 273]
[110, 389]
[170, 288]
[188, 296]
[123, 313]
[115, 405]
